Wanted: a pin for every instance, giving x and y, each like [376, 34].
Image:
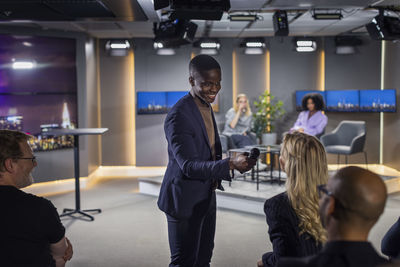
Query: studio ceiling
[134, 18]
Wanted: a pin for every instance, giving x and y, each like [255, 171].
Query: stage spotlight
[118, 47]
[194, 9]
[384, 27]
[305, 45]
[281, 25]
[174, 33]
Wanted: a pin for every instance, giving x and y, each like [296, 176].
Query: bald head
[361, 192]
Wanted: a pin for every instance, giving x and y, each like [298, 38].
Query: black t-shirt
[28, 225]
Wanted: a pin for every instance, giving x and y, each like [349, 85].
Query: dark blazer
[191, 172]
[284, 232]
[391, 241]
[339, 253]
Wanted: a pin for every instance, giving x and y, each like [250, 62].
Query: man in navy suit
[350, 204]
[195, 168]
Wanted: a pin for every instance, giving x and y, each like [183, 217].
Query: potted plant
[268, 110]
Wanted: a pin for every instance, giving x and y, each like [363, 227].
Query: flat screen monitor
[152, 103]
[157, 102]
[173, 97]
[301, 94]
[378, 100]
[343, 100]
[38, 87]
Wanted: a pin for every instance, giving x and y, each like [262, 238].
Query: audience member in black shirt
[31, 233]
[391, 241]
[295, 228]
[350, 204]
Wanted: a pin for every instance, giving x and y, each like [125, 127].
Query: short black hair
[203, 63]
[317, 100]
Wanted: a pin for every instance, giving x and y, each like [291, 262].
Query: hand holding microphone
[245, 161]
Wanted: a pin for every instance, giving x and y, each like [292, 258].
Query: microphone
[244, 110]
[254, 153]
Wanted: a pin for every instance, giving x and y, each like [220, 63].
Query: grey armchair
[348, 138]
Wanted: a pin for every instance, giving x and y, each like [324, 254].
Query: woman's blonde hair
[236, 106]
[306, 168]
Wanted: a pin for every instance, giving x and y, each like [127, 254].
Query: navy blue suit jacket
[339, 254]
[284, 232]
[391, 241]
[191, 172]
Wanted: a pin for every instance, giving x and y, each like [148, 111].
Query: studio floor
[131, 231]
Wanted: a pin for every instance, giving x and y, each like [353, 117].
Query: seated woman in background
[295, 229]
[238, 122]
[311, 120]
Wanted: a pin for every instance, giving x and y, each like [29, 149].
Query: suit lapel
[199, 119]
[218, 148]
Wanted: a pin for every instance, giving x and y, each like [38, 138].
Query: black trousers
[191, 241]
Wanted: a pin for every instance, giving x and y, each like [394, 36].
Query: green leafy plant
[268, 111]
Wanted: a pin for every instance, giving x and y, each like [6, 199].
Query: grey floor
[131, 231]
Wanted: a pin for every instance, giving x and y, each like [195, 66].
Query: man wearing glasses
[195, 168]
[350, 204]
[31, 233]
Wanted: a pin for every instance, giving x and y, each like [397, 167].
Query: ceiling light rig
[327, 14]
[244, 17]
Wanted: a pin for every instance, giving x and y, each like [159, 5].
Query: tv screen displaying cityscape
[342, 100]
[38, 87]
[301, 94]
[157, 102]
[378, 100]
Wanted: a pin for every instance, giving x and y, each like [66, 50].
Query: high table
[272, 150]
[76, 133]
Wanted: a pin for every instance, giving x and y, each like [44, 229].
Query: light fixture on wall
[347, 45]
[243, 17]
[118, 47]
[162, 50]
[327, 14]
[208, 46]
[253, 46]
[23, 64]
[305, 45]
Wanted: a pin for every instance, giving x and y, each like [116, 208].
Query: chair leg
[346, 160]
[338, 161]
[366, 161]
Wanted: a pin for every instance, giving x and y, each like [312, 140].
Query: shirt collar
[196, 97]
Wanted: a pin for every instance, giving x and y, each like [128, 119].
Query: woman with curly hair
[295, 229]
[311, 120]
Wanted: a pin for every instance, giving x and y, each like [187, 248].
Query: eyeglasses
[33, 159]
[322, 189]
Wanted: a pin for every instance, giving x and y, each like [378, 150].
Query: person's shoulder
[34, 201]
[183, 102]
[181, 107]
[231, 110]
[39, 200]
[277, 203]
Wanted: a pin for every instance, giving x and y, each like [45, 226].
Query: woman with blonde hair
[238, 122]
[295, 229]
